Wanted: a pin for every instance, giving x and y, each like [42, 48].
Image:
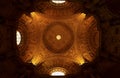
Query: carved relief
[74, 38]
[58, 37]
[88, 38]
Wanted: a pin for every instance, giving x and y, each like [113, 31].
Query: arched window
[58, 1]
[58, 71]
[18, 37]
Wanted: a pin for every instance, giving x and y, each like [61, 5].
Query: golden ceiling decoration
[55, 41]
[61, 30]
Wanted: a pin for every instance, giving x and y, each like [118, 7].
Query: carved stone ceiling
[58, 41]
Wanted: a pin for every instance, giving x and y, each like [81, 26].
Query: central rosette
[58, 37]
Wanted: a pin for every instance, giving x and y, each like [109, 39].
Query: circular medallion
[58, 37]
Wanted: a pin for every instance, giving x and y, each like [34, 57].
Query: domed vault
[58, 36]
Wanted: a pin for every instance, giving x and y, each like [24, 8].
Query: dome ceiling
[55, 41]
[44, 28]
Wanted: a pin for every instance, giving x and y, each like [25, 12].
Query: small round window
[18, 37]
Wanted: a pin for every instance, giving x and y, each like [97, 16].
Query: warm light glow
[58, 37]
[58, 73]
[58, 1]
[79, 60]
[33, 14]
[18, 37]
[36, 60]
[81, 16]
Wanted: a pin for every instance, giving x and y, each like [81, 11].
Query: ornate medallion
[58, 37]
